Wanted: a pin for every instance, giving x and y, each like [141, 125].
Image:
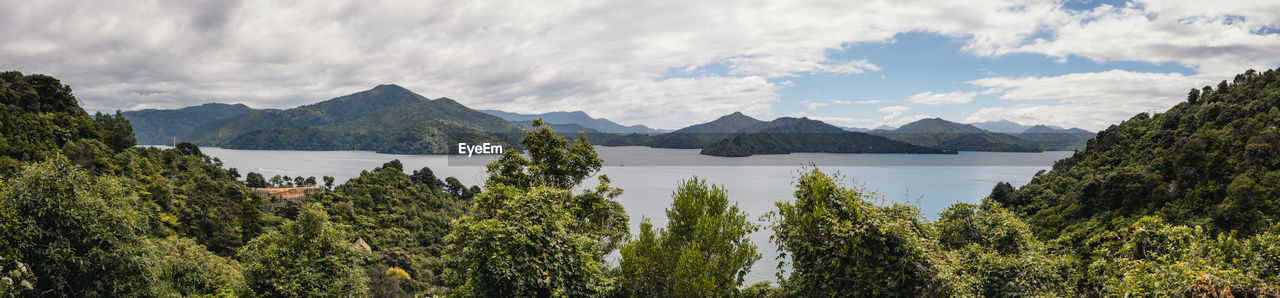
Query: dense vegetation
[788, 135]
[943, 134]
[579, 118]
[702, 135]
[387, 119]
[1180, 203]
[162, 127]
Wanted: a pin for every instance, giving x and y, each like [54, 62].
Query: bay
[648, 176]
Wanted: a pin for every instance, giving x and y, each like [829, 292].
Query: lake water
[648, 176]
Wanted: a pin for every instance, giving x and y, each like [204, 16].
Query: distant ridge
[575, 117]
[387, 119]
[791, 135]
[163, 127]
[700, 136]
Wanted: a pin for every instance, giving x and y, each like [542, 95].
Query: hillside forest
[1179, 203]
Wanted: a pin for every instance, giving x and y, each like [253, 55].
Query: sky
[665, 64]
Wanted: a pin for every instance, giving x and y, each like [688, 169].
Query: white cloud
[816, 104]
[1086, 100]
[1217, 37]
[605, 57]
[892, 109]
[931, 98]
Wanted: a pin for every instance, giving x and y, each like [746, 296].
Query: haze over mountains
[392, 119]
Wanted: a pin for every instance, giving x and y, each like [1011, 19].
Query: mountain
[387, 118]
[161, 127]
[1211, 162]
[856, 129]
[341, 109]
[1053, 138]
[1001, 126]
[595, 137]
[702, 135]
[789, 135]
[943, 134]
[576, 117]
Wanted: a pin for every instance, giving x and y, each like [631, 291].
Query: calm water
[648, 176]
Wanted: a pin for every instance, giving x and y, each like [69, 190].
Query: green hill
[1057, 139]
[789, 135]
[161, 127]
[703, 135]
[387, 119]
[947, 135]
[1211, 162]
[337, 110]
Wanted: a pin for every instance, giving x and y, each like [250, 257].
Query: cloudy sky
[665, 64]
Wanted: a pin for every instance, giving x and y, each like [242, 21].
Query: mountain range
[392, 119]
[575, 117]
[943, 134]
[788, 135]
[387, 118]
[163, 127]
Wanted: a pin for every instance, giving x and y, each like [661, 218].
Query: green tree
[553, 161]
[188, 148]
[704, 250]
[1193, 96]
[527, 234]
[277, 181]
[78, 233]
[305, 258]
[841, 244]
[328, 182]
[255, 180]
[117, 132]
[234, 173]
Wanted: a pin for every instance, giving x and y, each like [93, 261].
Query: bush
[704, 251]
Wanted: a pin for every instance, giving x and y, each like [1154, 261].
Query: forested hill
[341, 109]
[387, 119]
[702, 135]
[162, 127]
[943, 134]
[579, 118]
[1212, 161]
[790, 135]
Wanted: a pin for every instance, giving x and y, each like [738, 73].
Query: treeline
[1129, 215]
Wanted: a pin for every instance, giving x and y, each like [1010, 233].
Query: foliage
[397, 214]
[39, 118]
[188, 269]
[1212, 164]
[988, 251]
[307, 257]
[77, 232]
[188, 194]
[528, 235]
[521, 242]
[703, 135]
[552, 162]
[1154, 258]
[387, 119]
[704, 251]
[161, 127]
[840, 243]
[788, 135]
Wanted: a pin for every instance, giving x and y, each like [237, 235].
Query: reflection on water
[648, 176]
